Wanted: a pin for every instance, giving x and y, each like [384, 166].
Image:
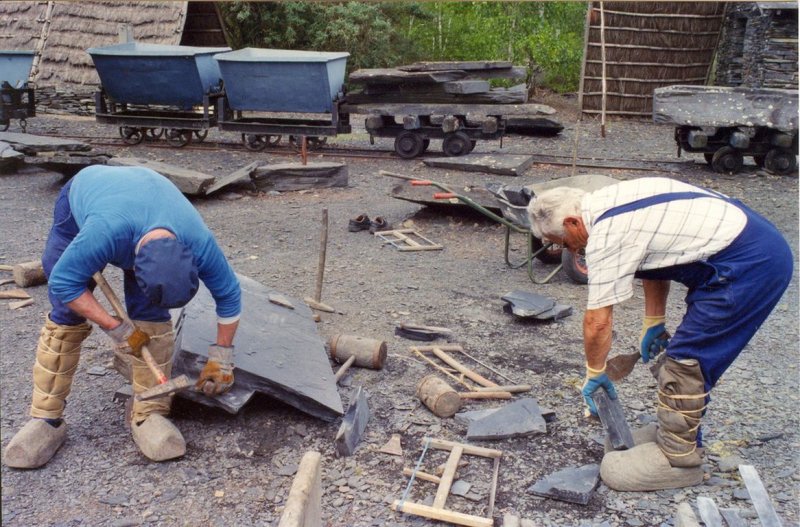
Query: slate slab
[524, 304]
[188, 181]
[520, 418]
[613, 418]
[278, 353]
[353, 424]
[284, 177]
[31, 144]
[502, 164]
[233, 177]
[465, 418]
[574, 485]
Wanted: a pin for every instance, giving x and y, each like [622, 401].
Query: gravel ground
[238, 469]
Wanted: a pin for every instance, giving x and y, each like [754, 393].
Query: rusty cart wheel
[130, 135]
[409, 144]
[575, 267]
[727, 160]
[153, 134]
[550, 256]
[456, 144]
[780, 161]
[254, 142]
[178, 137]
[201, 135]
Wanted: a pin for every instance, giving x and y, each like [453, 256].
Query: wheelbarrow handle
[421, 183]
[444, 195]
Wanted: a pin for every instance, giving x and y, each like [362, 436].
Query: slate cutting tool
[165, 386]
[620, 366]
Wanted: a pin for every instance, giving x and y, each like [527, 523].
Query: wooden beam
[660, 15]
[303, 504]
[447, 477]
[444, 515]
[442, 444]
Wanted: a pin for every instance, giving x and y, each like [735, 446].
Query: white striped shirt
[671, 233]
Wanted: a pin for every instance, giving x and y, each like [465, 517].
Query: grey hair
[547, 210]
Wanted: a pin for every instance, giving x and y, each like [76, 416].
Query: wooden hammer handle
[109, 293]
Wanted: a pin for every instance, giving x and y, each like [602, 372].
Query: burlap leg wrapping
[681, 402]
[136, 370]
[57, 357]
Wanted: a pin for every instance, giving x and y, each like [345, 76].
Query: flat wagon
[17, 98]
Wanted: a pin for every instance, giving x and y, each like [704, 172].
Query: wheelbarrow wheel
[575, 267]
[550, 256]
[409, 144]
[727, 160]
[780, 161]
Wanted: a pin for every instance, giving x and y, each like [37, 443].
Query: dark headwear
[166, 272]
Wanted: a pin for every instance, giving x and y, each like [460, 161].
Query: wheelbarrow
[513, 202]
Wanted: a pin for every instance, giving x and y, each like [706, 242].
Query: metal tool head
[175, 385]
[620, 366]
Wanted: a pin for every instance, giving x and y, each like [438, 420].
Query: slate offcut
[574, 485]
[520, 418]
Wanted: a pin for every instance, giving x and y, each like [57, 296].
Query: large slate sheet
[278, 353]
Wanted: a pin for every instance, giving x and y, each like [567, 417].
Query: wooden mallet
[165, 386]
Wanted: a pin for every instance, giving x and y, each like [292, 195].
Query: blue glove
[594, 380]
[653, 339]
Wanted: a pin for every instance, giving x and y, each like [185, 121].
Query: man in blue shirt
[137, 220]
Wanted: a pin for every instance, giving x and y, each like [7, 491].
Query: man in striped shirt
[736, 266]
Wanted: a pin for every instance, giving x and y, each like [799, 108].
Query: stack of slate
[439, 82]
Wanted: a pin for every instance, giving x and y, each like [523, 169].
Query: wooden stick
[513, 388]
[442, 444]
[447, 477]
[6, 267]
[461, 350]
[432, 363]
[603, 81]
[459, 518]
[303, 504]
[323, 248]
[485, 395]
[450, 361]
[424, 476]
[493, 490]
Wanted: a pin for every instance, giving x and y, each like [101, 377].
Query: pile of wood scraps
[26, 274]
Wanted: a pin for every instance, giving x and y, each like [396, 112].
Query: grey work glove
[217, 374]
[126, 334]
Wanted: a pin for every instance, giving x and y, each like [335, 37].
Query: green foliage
[547, 37]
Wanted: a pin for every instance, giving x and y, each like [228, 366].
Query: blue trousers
[729, 296]
[62, 232]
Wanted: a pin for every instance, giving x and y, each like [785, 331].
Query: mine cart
[275, 92]
[17, 100]
[727, 124]
[149, 90]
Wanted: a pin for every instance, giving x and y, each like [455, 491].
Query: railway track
[365, 153]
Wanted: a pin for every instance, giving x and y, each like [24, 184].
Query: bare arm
[655, 297]
[225, 333]
[86, 305]
[597, 324]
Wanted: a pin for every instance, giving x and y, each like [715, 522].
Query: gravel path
[238, 469]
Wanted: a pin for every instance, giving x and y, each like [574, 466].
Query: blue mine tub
[15, 67]
[136, 73]
[282, 80]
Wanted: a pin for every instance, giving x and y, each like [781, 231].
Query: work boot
[673, 460]
[157, 438]
[57, 355]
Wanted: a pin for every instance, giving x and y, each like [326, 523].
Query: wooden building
[637, 47]
[62, 31]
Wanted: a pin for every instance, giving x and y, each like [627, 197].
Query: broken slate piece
[123, 393]
[423, 333]
[526, 305]
[708, 512]
[31, 144]
[353, 424]
[574, 485]
[460, 488]
[613, 418]
[732, 518]
[279, 353]
[97, 370]
[758, 495]
[279, 299]
[392, 446]
[520, 418]
[503, 164]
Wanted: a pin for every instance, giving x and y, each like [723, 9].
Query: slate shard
[423, 333]
[353, 424]
[520, 418]
[531, 305]
[574, 485]
[613, 418]
[278, 353]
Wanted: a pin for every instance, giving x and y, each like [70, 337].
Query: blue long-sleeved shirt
[113, 208]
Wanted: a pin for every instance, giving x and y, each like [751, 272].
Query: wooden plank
[448, 109]
[441, 444]
[759, 497]
[445, 515]
[424, 476]
[188, 181]
[14, 294]
[447, 477]
[303, 504]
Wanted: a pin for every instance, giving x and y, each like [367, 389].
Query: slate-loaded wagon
[726, 124]
[17, 98]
